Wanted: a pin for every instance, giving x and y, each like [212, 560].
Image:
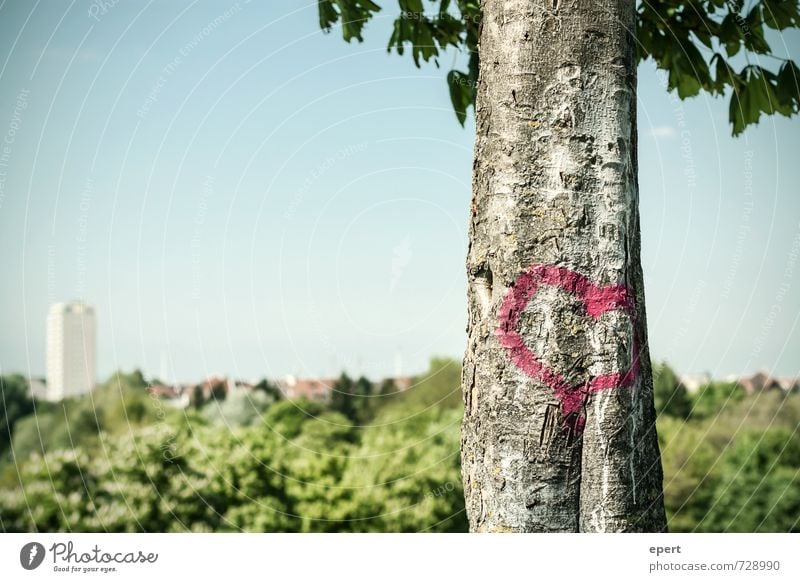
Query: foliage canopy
[703, 45]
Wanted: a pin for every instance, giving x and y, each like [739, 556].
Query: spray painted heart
[597, 300]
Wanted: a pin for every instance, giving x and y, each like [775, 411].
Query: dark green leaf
[780, 14]
[730, 34]
[459, 85]
[327, 15]
[787, 89]
[736, 114]
[788, 82]
[753, 32]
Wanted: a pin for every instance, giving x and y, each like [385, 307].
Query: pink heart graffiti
[597, 301]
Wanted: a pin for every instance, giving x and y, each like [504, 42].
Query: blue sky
[238, 193]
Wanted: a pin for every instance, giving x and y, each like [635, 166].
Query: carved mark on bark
[484, 287]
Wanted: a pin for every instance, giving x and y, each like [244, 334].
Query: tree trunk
[559, 426]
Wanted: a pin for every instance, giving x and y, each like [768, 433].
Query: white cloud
[662, 132]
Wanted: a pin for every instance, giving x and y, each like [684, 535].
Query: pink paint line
[597, 301]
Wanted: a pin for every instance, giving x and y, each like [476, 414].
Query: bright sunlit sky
[238, 193]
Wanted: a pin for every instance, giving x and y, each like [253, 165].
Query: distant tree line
[371, 459]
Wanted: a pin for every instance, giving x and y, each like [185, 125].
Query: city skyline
[86, 321]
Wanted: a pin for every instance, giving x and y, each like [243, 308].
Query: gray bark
[555, 195]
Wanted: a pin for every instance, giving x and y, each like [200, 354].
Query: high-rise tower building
[70, 350]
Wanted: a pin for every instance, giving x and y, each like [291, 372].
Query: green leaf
[736, 113]
[730, 34]
[723, 74]
[686, 83]
[327, 15]
[705, 37]
[787, 89]
[753, 32]
[754, 97]
[761, 94]
[781, 14]
[353, 15]
[459, 85]
[474, 63]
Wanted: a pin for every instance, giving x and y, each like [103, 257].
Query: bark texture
[559, 426]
